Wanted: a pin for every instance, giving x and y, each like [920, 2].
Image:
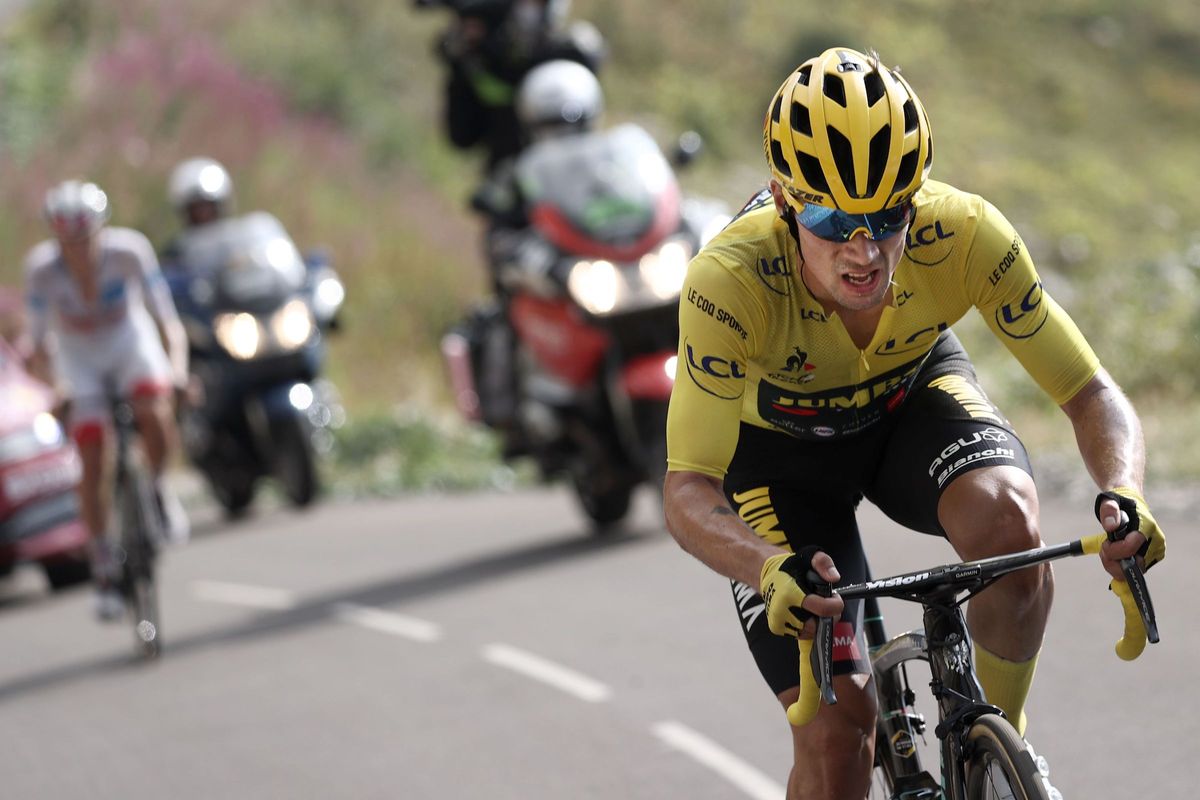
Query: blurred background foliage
[1077, 119]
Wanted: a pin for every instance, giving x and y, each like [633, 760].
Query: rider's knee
[991, 512]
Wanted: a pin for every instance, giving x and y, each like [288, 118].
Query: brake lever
[822, 652]
[1136, 580]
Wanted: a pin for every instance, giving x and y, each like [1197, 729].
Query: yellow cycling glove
[782, 584]
[1134, 505]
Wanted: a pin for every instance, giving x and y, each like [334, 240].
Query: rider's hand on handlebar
[788, 595]
[1145, 537]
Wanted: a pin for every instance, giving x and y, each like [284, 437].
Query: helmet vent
[778, 160]
[873, 83]
[804, 72]
[810, 167]
[908, 169]
[910, 116]
[843, 158]
[800, 120]
[877, 160]
[834, 90]
[777, 108]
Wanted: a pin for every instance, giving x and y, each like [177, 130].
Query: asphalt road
[487, 646]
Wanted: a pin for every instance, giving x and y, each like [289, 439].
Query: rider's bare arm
[703, 523]
[1109, 435]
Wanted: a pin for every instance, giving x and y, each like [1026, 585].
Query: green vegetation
[1075, 118]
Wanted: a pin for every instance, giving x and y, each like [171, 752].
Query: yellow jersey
[756, 346]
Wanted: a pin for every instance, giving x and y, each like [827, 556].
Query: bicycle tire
[137, 535]
[1000, 765]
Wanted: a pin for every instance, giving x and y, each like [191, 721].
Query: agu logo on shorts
[984, 445]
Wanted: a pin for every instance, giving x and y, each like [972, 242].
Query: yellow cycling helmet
[846, 132]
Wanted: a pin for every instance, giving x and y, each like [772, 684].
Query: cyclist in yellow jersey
[817, 366]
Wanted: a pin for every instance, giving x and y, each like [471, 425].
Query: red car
[39, 468]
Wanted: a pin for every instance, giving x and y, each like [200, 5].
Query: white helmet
[75, 209]
[200, 179]
[559, 95]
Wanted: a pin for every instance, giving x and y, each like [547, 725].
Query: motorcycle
[589, 291]
[256, 313]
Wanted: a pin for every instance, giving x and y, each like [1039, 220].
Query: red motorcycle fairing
[650, 377]
[559, 231]
[559, 337]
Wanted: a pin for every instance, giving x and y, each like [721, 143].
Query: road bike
[140, 527]
[982, 755]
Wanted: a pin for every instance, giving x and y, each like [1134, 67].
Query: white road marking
[733, 769]
[540, 669]
[237, 594]
[388, 622]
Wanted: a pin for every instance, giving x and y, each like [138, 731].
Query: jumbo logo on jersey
[701, 369]
[933, 242]
[775, 274]
[1026, 317]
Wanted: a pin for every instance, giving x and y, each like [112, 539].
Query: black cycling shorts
[798, 493]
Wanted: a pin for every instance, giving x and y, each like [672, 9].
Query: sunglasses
[834, 225]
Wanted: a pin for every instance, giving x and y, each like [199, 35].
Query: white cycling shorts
[130, 359]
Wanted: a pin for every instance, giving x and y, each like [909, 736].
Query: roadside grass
[411, 450]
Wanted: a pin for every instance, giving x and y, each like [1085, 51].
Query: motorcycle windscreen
[607, 194]
[249, 261]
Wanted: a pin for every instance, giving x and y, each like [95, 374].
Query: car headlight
[595, 285]
[240, 334]
[44, 435]
[292, 325]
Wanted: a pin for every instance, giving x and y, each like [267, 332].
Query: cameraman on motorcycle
[489, 48]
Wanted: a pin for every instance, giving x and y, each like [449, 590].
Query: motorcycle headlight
[240, 334]
[292, 325]
[664, 269]
[595, 285]
[327, 297]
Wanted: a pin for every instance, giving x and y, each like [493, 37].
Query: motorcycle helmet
[200, 190]
[559, 97]
[76, 209]
[846, 132]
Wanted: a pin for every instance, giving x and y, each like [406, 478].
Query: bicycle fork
[898, 724]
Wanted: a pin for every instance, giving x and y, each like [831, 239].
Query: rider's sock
[1005, 683]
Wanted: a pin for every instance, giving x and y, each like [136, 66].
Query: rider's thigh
[990, 511]
[834, 752]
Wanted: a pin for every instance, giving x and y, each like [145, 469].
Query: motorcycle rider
[558, 98]
[100, 314]
[200, 191]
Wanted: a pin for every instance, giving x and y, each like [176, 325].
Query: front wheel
[141, 530]
[296, 463]
[1000, 765]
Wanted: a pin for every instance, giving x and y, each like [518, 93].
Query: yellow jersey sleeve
[718, 315]
[1005, 287]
